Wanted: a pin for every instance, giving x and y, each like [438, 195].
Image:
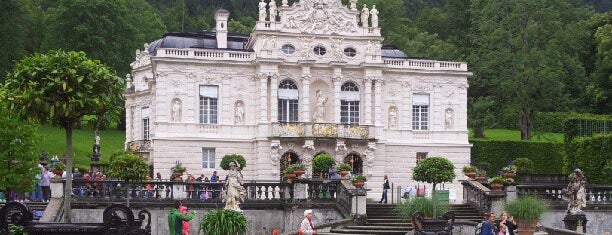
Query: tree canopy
[18, 154]
[128, 166]
[61, 88]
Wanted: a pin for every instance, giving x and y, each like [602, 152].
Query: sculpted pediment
[320, 17]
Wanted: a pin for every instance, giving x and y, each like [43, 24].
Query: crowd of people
[505, 225]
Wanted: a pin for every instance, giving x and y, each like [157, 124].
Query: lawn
[53, 141]
[503, 134]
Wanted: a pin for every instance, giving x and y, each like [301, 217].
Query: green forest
[528, 56]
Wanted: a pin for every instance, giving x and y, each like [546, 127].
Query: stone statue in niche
[374, 14]
[320, 106]
[392, 118]
[448, 118]
[365, 13]
[285, 3]
[239, 113]
[273, 10]
[176, 111]
[262, 11]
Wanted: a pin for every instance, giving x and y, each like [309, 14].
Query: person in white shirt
[307, 227]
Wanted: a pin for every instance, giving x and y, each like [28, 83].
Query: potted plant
[321, 163]
[526, 211]
[222, 222]
[58, 169]
[298, 169]
[469, 171]
[510, 172]
[481, 175]
[420, 204]
[497, 183]
[358, 180]
[434, 170]
[122, 160]
[344, 169]
[289, 173]
[177, 171]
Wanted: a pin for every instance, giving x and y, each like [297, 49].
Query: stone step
[375, 221]
[359, 231]
[377, 227]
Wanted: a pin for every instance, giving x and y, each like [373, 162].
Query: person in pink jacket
[185, 211]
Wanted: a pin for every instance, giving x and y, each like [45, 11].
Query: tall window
[144, 113]
[287, 101]
[208, 104]
[208, 158]
[349, 104]
[420, 112]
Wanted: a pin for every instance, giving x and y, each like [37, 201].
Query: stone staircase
[382, 219]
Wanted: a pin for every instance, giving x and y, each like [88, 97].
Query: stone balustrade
[597, 195]
[426, 64]
[206, 54]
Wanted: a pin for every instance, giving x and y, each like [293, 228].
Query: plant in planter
[321, 163]
[222, 222]
[177, 171]
[289, 173]
[358, 180]
[469, 171]
[420, 204]
[225, 161]
[298, 169]
[434, 170]
[510, 172]
[497, 183]
[344, 169]
[58, 168]
[481, 175]
[125, 165]
[527, 211]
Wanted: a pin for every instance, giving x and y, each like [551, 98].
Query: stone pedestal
[575, 222]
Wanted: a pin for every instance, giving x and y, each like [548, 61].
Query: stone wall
[260, 221]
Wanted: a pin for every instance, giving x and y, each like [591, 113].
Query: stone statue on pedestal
[575, 193]
[234, 193]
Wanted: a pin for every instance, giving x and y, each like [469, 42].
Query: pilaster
[274, 97]
[263, 98]
[305, 94]
[337, 86]
[368, 100]
[377, 101]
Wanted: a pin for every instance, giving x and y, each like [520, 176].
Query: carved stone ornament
[320, 16]
[142, 57]
[275, 148]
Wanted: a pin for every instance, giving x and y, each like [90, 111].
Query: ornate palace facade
[313, 77]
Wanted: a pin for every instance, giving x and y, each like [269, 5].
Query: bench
[117, 220]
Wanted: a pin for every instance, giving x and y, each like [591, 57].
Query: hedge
[548, 158]
[550, 122]
[587, 125]
[593, 155]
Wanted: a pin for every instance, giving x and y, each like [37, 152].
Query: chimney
[221, 17]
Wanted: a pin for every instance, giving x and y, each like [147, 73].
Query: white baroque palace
[312, 78]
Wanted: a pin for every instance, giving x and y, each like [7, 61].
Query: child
[502, 229]
[185, 211]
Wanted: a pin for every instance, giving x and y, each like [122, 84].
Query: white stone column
[368, 100]
[377, 100]
[263, 98]
[274, 97]
[305, 98]
[337, 86]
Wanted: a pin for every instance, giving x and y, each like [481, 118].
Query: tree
[128, 166]
[61, 88]
[18, 155]
[600, 88]
[527, 48]
[434, 170]
[107, 30]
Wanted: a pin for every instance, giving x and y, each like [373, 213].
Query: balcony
[206, 54]
[425, 64]
[321, 130]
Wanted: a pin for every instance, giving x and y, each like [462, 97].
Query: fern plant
[224, 222]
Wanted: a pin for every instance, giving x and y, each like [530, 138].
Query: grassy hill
[53, 141]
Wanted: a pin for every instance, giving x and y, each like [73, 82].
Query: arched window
[349, 104]
[354, 160]
[287, 101]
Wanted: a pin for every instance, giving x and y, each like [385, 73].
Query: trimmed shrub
[586, 125]
[225, 161]
[125, 165]
[322, 162]
[592, 155]
[547, 158]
